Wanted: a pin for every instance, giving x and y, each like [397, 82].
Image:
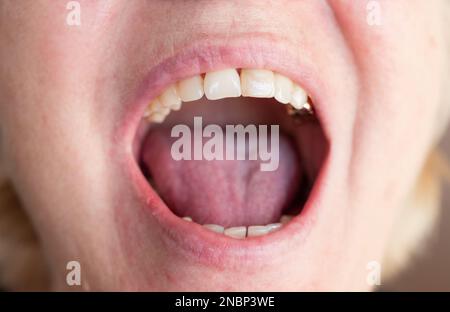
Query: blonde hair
[417, 220]
[22, 265]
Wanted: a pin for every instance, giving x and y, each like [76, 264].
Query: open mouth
[233, 197]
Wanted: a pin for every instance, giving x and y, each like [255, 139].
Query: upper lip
[202, 56]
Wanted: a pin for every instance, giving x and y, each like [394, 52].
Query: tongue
[224, 192]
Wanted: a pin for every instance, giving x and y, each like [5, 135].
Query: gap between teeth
[241, 232]
[227, 83]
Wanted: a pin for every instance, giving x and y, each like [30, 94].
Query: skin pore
[66, 92]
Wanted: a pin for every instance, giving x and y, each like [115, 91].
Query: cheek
[399, 68]
[399, 64]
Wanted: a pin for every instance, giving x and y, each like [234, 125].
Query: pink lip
[190, 239]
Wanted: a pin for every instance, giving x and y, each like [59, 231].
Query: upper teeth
[228, 83]
[257, 83]
[222, 84]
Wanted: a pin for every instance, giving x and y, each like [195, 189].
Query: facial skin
[64, 92]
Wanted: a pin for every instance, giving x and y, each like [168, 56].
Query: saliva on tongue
[224, 192]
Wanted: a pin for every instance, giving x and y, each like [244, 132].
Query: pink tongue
[225, 192]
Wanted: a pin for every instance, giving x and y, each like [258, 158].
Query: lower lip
[201, 245]
[189, 239]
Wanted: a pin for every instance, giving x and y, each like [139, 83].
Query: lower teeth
[241, 232]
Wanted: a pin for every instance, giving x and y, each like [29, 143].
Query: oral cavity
[231, 197]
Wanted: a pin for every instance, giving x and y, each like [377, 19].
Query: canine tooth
[156, 112]
[176, 107]
[170, 98]
[283, 89]
[189, 219]
[299, 97]
[222, 84]
[157, 107]
[158, 117]
[285, 219]
[257, 83]
[214, 227]
[274, 226]
[191, 89]
[162, 111]
[236, 232]
[257, 230]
